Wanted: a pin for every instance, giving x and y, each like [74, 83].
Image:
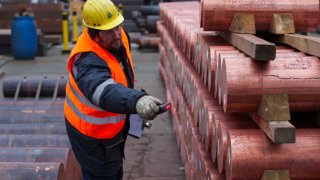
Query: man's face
[110, 39]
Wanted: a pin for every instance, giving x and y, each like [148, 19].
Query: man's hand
[147, 107]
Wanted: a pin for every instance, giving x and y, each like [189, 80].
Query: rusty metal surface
[41, 154]
[31, 116]
[149, 41]
[29, 86]
[45, 110]
[34, 171]
[31, 140]
[34, 128]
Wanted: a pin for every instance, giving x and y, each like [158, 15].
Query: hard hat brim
[110, 25]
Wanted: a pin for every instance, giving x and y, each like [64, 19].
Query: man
[100, 95]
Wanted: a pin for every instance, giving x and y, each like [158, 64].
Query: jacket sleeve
[93, 78]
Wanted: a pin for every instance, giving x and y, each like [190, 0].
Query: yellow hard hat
[101, 14]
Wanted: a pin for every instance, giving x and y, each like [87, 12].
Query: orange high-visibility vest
[86, 117]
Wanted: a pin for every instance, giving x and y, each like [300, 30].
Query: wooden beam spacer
[243, 23]
[274, 107]
[273, 117]
[276, 175]
[282, 23]
[253, 46]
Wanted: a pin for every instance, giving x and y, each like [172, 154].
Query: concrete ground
[155, 156]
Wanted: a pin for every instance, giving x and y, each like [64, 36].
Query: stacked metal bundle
[216, 90]
[33, 140]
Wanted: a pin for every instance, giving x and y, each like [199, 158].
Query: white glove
[147, 107]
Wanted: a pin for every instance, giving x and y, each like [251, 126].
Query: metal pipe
[34, 171]
[32, 140]
[42, 154]
[34, 128]
[29, 86]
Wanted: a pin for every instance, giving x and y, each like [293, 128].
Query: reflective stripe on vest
[94, 120]
[90, 119]
[97, 93]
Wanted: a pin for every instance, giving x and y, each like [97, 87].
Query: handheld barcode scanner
[162, 108]
[137, 124]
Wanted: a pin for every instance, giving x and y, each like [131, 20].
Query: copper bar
[211, 66]
[206, 128]
[201, 159]
[213, 173]
[223, 127]
[218, 15]
[205, 38]
[183, 150]
[219, 115]
[182, 25]
[212, 130]
[250, 152]
[209, 131]
[220, 55]
[41, 154]
[196, 158]
[32, 140]
[208, 104]
[203, 99]
[189, 131]
[296, 76]
[281, 52]
[201, 39]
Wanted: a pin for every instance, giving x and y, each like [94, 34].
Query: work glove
[147, 107]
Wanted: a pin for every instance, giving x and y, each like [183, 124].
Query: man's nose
[116, 34]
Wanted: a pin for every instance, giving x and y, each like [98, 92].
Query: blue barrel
[24, 42]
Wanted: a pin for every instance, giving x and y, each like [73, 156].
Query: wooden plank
[306, 44]
[273, 118]
[243, 23]
[282, 23]
[251, 45]
[276, 175]
[279, 132]
[274, 107]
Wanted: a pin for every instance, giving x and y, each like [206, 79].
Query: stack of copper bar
[33, 138]
[244, 87]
